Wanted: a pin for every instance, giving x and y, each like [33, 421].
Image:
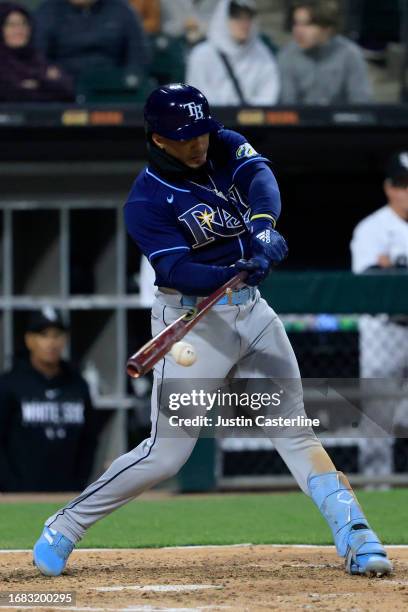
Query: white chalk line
[6, 551]
[158, 588]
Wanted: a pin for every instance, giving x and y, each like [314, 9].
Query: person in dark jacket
[24, 73]
[47, 422]
[82, 36]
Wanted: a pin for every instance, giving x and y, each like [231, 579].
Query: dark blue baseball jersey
[192, 232]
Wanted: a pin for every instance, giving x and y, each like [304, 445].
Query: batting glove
[267, 242]
[257, 268]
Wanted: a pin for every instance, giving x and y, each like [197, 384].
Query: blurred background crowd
[239, 52]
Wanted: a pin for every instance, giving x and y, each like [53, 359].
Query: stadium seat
[113, 86]
[168, 65]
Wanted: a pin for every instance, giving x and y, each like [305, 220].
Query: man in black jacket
[87, 35]
[47, 423]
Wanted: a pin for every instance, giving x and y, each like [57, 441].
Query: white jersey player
[380, 242]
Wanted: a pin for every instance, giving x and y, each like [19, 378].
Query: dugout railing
[324, 315]
[72, 253]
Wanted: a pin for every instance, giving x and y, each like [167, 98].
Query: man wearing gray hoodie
[234, 67]
[319, 66]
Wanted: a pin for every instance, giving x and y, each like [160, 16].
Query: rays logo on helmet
[195, 110]
[245, 150]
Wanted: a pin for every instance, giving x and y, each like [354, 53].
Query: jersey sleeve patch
[245, 151]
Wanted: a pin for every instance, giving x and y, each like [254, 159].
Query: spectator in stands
[380, 243]
[24, 74]
[187, 18]
[82, 36]
[234, 66]
[319, 66]
[47, 423]
[149, 11]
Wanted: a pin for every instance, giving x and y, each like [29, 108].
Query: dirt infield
[236, 578]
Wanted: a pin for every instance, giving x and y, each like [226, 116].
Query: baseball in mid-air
[184, 353]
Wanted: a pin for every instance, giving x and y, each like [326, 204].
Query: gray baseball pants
[248, 341]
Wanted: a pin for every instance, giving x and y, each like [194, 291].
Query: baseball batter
[380, 242]
[205, 207]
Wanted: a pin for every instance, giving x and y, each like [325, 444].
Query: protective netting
[360, 363]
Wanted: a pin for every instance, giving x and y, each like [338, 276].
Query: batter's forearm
[193, 278]
[259, 185]
[264, 197]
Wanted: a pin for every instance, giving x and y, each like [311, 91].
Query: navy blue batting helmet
[179, 112]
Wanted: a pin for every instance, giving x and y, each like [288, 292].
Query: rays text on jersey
[206, 223]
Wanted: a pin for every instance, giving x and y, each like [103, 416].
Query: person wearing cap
[234, 67]
[319, 66]
[47, 422]
[380, 243]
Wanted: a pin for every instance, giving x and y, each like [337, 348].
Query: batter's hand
[257, 268]
[267, 242]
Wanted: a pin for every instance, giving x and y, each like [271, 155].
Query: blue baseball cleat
[355, 541]
[365, 554]
[51, 552]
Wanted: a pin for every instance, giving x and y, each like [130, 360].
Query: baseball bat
[146, 357]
